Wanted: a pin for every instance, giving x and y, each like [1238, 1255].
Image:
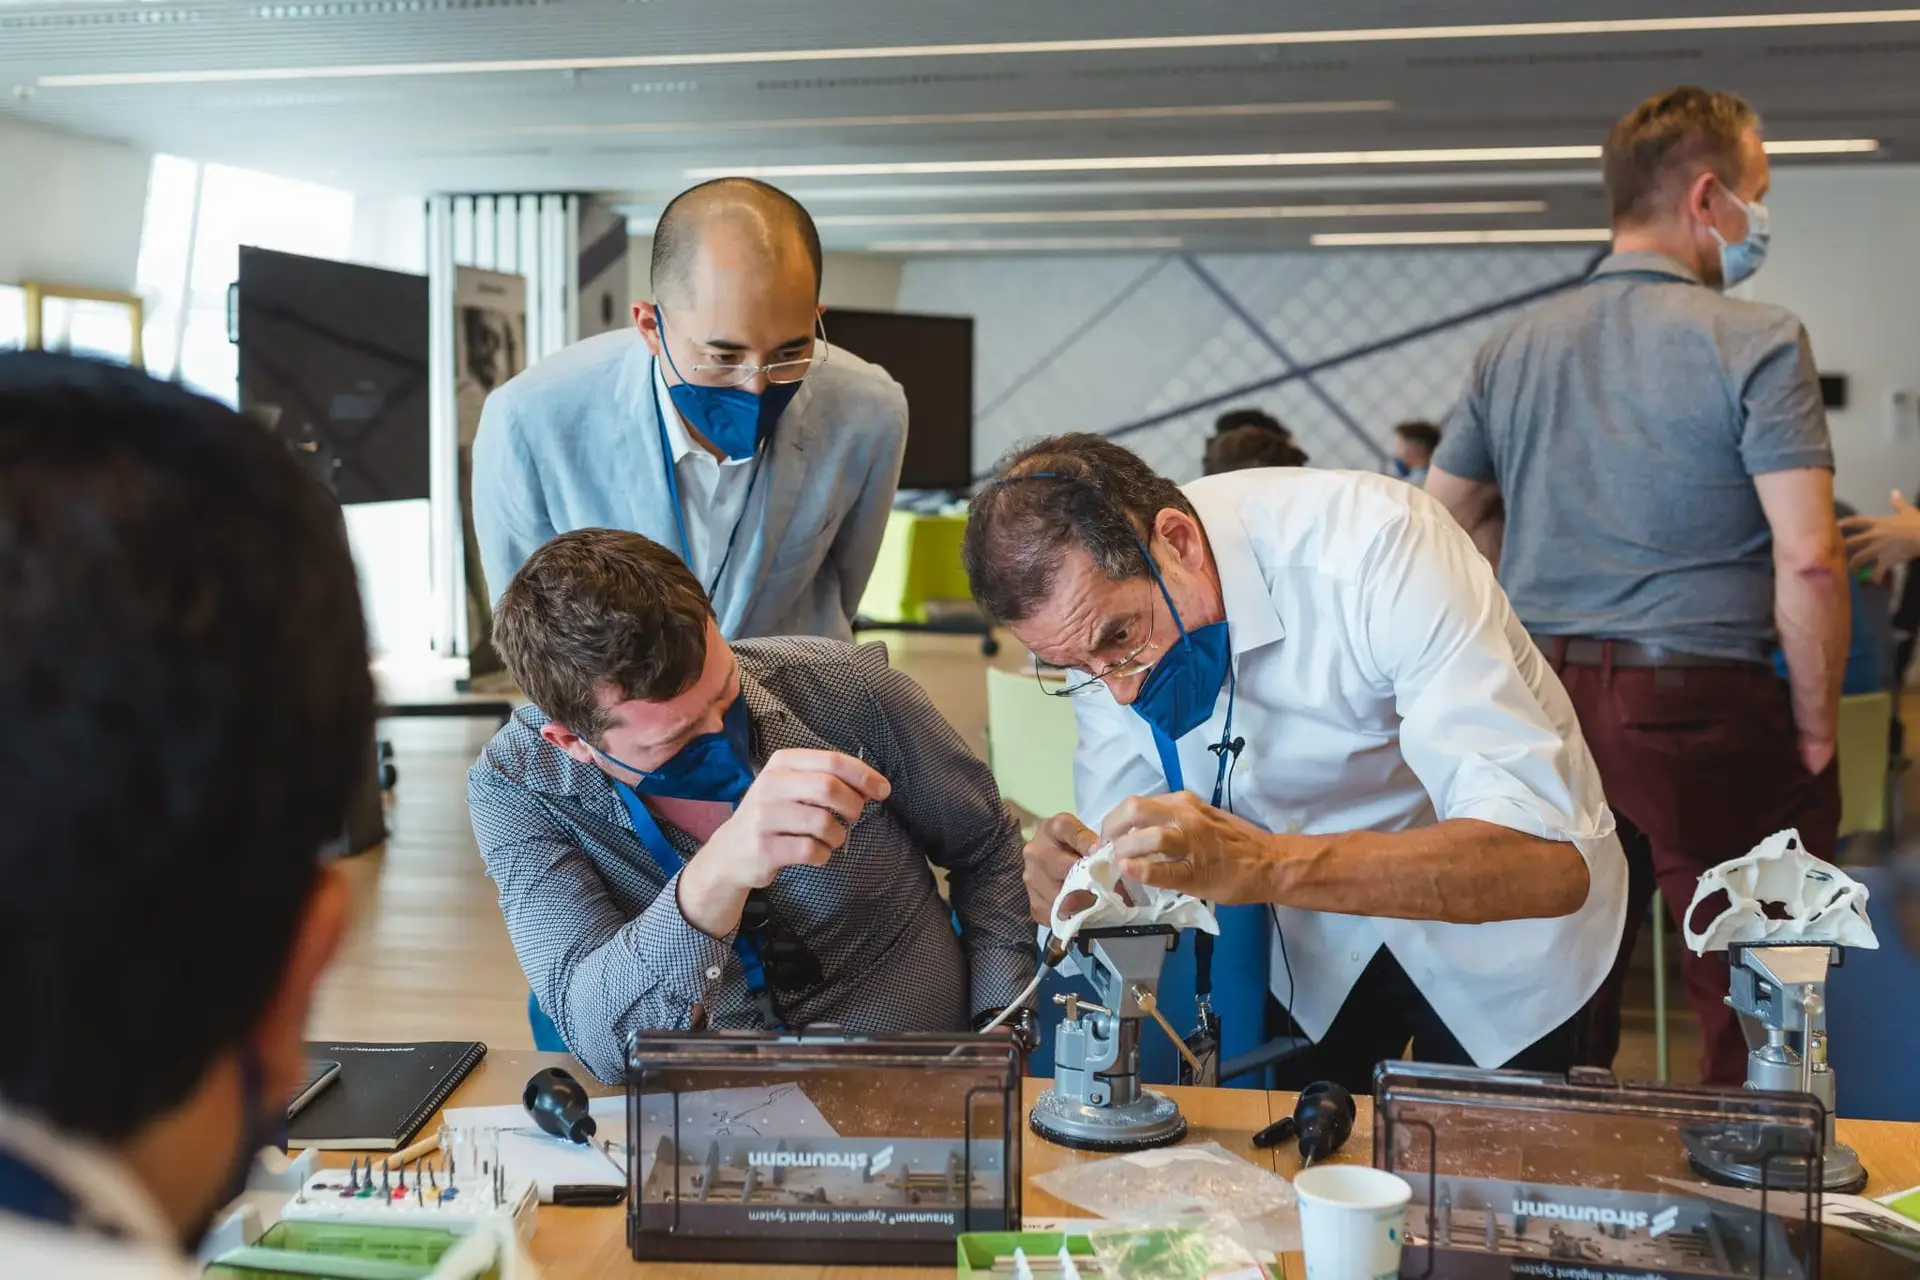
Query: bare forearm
[1488, 535]
[1813, 612]
[1462, 871]
[708, 900]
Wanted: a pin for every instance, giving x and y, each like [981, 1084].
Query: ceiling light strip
[1255, 160]
[1538, 235]
[1229, 213]
[1232, 110]
[1035, 244]
[1123, 44]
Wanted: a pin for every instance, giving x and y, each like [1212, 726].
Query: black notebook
[385, 1093]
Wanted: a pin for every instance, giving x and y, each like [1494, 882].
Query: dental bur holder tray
[824, 1148]
[1523, 1174]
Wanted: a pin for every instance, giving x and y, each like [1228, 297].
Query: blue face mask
[1400, 468]
[733, 418]
[714, 766]
[1180, 692]
[1741, 258]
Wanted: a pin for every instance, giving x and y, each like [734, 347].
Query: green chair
[1866, 721]
[1030, 743]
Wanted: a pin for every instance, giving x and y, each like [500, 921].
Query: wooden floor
[428, 956]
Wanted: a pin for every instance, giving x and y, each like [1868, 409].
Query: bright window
[197, 217]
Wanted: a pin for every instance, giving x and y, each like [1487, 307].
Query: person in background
[690, 833]
[184, 669]
[1413, 446]
[1233, 419]
[722, 425]
[1876, 547]
[1663, 458]
[1391, 765]
[1239, 448]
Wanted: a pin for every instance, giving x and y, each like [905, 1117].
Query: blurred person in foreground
[1667, 479]
[183, 672]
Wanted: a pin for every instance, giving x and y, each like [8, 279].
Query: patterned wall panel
[1097, 343]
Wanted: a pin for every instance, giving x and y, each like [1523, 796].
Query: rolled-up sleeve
[1484, 724]
[599, 975]
[946, 798]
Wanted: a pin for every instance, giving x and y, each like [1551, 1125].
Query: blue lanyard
[668, 859]
[679, 512]
[1176, 781]
[1170, 752]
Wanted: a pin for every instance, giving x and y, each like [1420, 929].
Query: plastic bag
[1143, 1188]
[1186, 1246]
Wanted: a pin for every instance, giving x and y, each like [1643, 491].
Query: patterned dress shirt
[597, 924]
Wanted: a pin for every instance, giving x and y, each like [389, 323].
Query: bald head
[727, 226]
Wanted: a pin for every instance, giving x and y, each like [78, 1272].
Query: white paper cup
[1353, 1222]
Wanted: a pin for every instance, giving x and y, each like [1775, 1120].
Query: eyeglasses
[789, 965]
[1075, 684]
[779, 373]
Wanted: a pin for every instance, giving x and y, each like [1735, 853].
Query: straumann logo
[879, 1162]
[1631, 1219]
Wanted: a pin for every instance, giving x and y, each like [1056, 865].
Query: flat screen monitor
[931, 357]
[333, 359]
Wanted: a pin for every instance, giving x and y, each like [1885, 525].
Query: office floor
[428, 956]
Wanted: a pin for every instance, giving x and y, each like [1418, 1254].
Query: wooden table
[584, 1243]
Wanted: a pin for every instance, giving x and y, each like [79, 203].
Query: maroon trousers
[1699, 764]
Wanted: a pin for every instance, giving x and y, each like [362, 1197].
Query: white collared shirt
[1382, 683]
[713, 493]
[142, 1244]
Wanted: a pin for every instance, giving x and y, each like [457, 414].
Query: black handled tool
[1322, 1119]
[558, 1103]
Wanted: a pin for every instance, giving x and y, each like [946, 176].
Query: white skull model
[1099, 874]
[1781, 893]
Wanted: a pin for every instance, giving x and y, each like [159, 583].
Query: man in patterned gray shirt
[689, 833]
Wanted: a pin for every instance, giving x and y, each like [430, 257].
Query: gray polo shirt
[1624, 421]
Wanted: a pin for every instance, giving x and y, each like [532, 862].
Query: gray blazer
[572, 444]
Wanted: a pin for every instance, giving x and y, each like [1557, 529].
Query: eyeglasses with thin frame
[779, 373]
[1077, 683]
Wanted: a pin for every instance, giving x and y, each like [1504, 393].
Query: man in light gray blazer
[723, 426]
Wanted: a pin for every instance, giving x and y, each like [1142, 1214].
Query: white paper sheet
[527, 1151]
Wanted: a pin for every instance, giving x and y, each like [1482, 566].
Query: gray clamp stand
[1097, 1103]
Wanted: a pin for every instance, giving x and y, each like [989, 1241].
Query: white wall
[1090, 343]
[1845, 257]
[390, 233]
[70, 209]
[865, 281]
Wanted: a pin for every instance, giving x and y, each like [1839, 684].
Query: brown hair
[1238, 448]
[1424, 434]
[1667, 141]
[600, 608]
[1072, 490]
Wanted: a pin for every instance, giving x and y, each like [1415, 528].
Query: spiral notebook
[385, 1095]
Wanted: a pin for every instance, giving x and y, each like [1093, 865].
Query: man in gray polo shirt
[1646, 461]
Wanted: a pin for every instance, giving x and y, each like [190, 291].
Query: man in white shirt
[721, 425]
[183, 670]
[1380, 754]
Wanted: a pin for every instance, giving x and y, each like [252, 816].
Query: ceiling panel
[767, 83]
